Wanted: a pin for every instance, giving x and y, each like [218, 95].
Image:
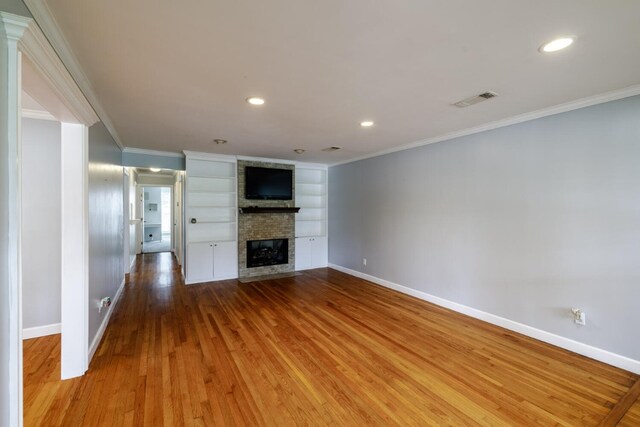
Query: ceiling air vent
[475, 99]
[334, 148]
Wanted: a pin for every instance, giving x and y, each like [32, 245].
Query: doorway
[157, 219]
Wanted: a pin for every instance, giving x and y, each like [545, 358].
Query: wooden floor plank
[622, 408]
[320, 348]
[632, 417]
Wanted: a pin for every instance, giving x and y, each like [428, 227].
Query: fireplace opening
[261, 253]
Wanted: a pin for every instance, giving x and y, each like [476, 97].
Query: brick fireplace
[264, 226]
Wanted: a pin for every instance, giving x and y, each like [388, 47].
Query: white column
[12, 28]
[75, 251]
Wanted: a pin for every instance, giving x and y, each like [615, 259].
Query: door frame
[22, 38]
[140, 191]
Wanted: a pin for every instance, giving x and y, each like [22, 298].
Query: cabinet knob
[194, 220]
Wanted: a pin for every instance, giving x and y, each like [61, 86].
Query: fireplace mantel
[261, 210]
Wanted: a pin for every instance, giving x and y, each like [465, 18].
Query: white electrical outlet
[364, 261]
[104, 302]
[579, 316]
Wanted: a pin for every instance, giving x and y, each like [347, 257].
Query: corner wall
[41, 223]
[523, 222]
[106, 223]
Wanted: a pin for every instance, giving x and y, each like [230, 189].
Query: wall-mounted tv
[268, 183]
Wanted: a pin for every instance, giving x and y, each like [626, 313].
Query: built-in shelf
[210, 197]
[311, 196]
[260, 210]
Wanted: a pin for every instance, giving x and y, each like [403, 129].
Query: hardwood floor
[632, 417]
[322, 348]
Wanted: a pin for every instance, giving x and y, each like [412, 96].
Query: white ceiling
[174, 75]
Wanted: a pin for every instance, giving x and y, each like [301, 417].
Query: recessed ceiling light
[220, 141]
[155, 169]
[366, 123]
[557, 44]
[255, 101]
[299, 151]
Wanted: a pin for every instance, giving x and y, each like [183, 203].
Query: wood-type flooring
[321, 348]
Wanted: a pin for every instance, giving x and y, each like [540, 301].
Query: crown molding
[538, 114]
[14, 25]
[198, 155]
[266, 160]
[152, 152]
[37, 114]
[312, 165]
[37, 48]
[44, 18]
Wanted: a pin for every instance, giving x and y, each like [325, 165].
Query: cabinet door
[319, 252]
[199, 262]
[303, 253]
[225, 260]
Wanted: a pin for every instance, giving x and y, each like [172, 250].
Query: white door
[177, 221]
[140, 218]
[319, 252]
[200, 262]
[225, 260]
[303, 253]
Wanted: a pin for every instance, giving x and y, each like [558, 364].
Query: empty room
[340, 213]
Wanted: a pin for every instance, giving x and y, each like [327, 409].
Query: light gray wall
[523, 222]
[152, 161]
[41, 222]
[106, 226]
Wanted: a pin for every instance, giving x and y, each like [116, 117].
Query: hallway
[321, 348]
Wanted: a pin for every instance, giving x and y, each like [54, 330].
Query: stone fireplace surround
[264, 226]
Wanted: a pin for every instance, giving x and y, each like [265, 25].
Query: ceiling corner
[44, 18]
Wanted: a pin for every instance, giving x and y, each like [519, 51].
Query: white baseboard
[41, 331]
[217, 279]
[596, 353]
[103, 326]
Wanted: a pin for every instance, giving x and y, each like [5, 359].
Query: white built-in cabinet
[311, 220]
[211, 218]
[212, 261]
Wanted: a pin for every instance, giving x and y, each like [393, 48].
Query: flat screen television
[268, 183]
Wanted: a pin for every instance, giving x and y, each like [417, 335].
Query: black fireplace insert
[261, 253]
